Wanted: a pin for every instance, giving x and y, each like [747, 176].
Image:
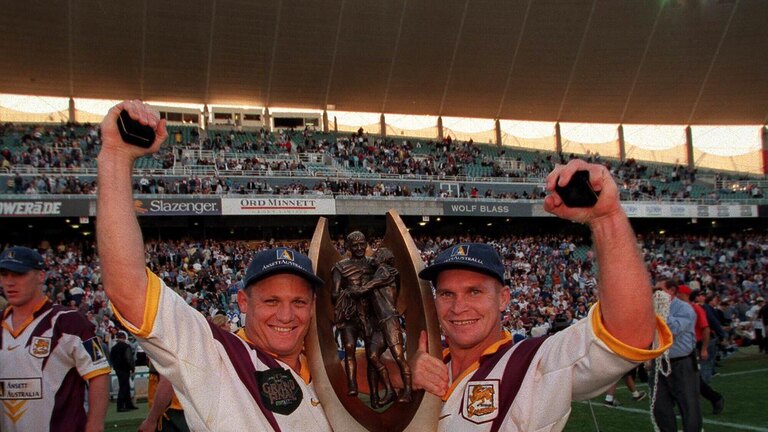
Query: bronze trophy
[366, 299]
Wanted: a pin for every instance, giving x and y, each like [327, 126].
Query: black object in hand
[578, 192]
[134, 132]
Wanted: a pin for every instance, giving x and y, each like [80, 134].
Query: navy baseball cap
[19, 259]
[280, 260]
[478, 257]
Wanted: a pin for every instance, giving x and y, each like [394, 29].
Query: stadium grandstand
[452, 113]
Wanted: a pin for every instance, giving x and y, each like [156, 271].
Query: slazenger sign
[44, 207]
[177, 207]
[271, 206]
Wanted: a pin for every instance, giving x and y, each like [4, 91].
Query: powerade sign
[177, 207]
[45, 207]
[486, 208]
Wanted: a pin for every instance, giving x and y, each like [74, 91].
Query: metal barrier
[139, 384]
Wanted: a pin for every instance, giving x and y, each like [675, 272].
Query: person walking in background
[629, 379]
[757, 324]
[681, 387]
[703, 336]
[123, 362]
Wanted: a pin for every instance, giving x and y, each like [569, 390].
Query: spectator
[681, 387]
[122, 357]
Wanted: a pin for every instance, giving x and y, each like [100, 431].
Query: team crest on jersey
[280, 393]
[93, 348]
[481, 401]
[40, 347]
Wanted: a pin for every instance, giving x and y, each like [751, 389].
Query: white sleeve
[592, 357]
[180, 343]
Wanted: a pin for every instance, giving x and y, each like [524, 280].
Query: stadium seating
[46, 150]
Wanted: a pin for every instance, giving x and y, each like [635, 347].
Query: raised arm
[120, 244]
[625, 288]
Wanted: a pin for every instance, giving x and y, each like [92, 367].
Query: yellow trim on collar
[16, 332]
[151, 306]
[505, 337]
[241, 334]
[304, 373]
[629, 352]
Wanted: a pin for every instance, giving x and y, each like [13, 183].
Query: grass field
[743, 380]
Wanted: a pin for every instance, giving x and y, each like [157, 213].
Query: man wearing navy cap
[41, 344]
[256, 379]
[489, 383]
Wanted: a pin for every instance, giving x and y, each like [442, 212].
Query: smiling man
[256, 379]
[487, 382]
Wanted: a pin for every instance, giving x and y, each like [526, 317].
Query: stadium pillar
[622, 148]
[498, 133]
[382, 125]
[765, 149]
[71, 110]
[267, 119]
[440, 128]
[558, 139]
[689, 147]
[204, 120]
[325, 121]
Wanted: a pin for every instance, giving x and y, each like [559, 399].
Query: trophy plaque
[380, 301]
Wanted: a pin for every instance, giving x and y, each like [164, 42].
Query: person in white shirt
[256, 379]
[487, 382]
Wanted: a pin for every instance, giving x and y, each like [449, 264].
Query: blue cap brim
[15, 267]
[313, 280]
[430, 273]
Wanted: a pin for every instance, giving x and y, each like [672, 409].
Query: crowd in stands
[388, 156]
[237, 154]
[553, 279]
[50, 184]
[63, 146]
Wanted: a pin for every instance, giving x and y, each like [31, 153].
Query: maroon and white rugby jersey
[44, 367]
[529, 386]
[223, 382]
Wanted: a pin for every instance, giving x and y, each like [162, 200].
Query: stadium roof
[609, 61]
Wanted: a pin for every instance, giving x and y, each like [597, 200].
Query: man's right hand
[704, 354]
[429, 373]
[147, 426]
[111, 141]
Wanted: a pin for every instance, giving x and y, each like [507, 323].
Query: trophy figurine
[379, 301]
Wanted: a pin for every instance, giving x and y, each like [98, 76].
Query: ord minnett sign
[272, 206]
